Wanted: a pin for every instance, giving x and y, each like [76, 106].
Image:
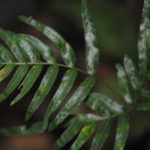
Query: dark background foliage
[117, 23]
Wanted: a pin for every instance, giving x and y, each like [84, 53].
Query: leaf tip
[24, 19]
[12, 103]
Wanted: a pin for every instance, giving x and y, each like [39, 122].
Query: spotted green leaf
[131, 72]
[77, 98]
[104, 105]
[68, 135]
[14, 82]
[64, 48]
[124, 83]
[85, 133]
[36, 48]
[85, 119]
[101, 135]
[122, 132]
[44, 88]
[62, 91]
[10, 39]
[88, 118]
[5, 72]
[32, 48]
[144, 40]
[92, 50]
[28, 82]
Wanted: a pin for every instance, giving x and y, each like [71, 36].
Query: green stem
[45, 63]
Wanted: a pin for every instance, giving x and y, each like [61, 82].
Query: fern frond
[25, 60]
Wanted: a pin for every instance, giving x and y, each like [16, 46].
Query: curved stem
[45, 63]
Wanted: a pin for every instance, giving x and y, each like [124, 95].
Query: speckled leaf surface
[64, 47]
[122, 132]
[124, 83]
[77, 98]
[88, 118]
[14, 82]
[36, 49]
[85, 133]
[28, 82]
[101, 135]
[10, 39]
[104, 105]
[144, 40]
[85, 119]
[92, 50]
[62, 91]
[44, 88]
[131, 72]
[68, 135]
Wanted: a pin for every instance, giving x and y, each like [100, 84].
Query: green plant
[28, 56]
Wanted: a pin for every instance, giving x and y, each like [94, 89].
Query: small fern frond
[104, 105]
[131, 72]
[124, 84]
[26, 58]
